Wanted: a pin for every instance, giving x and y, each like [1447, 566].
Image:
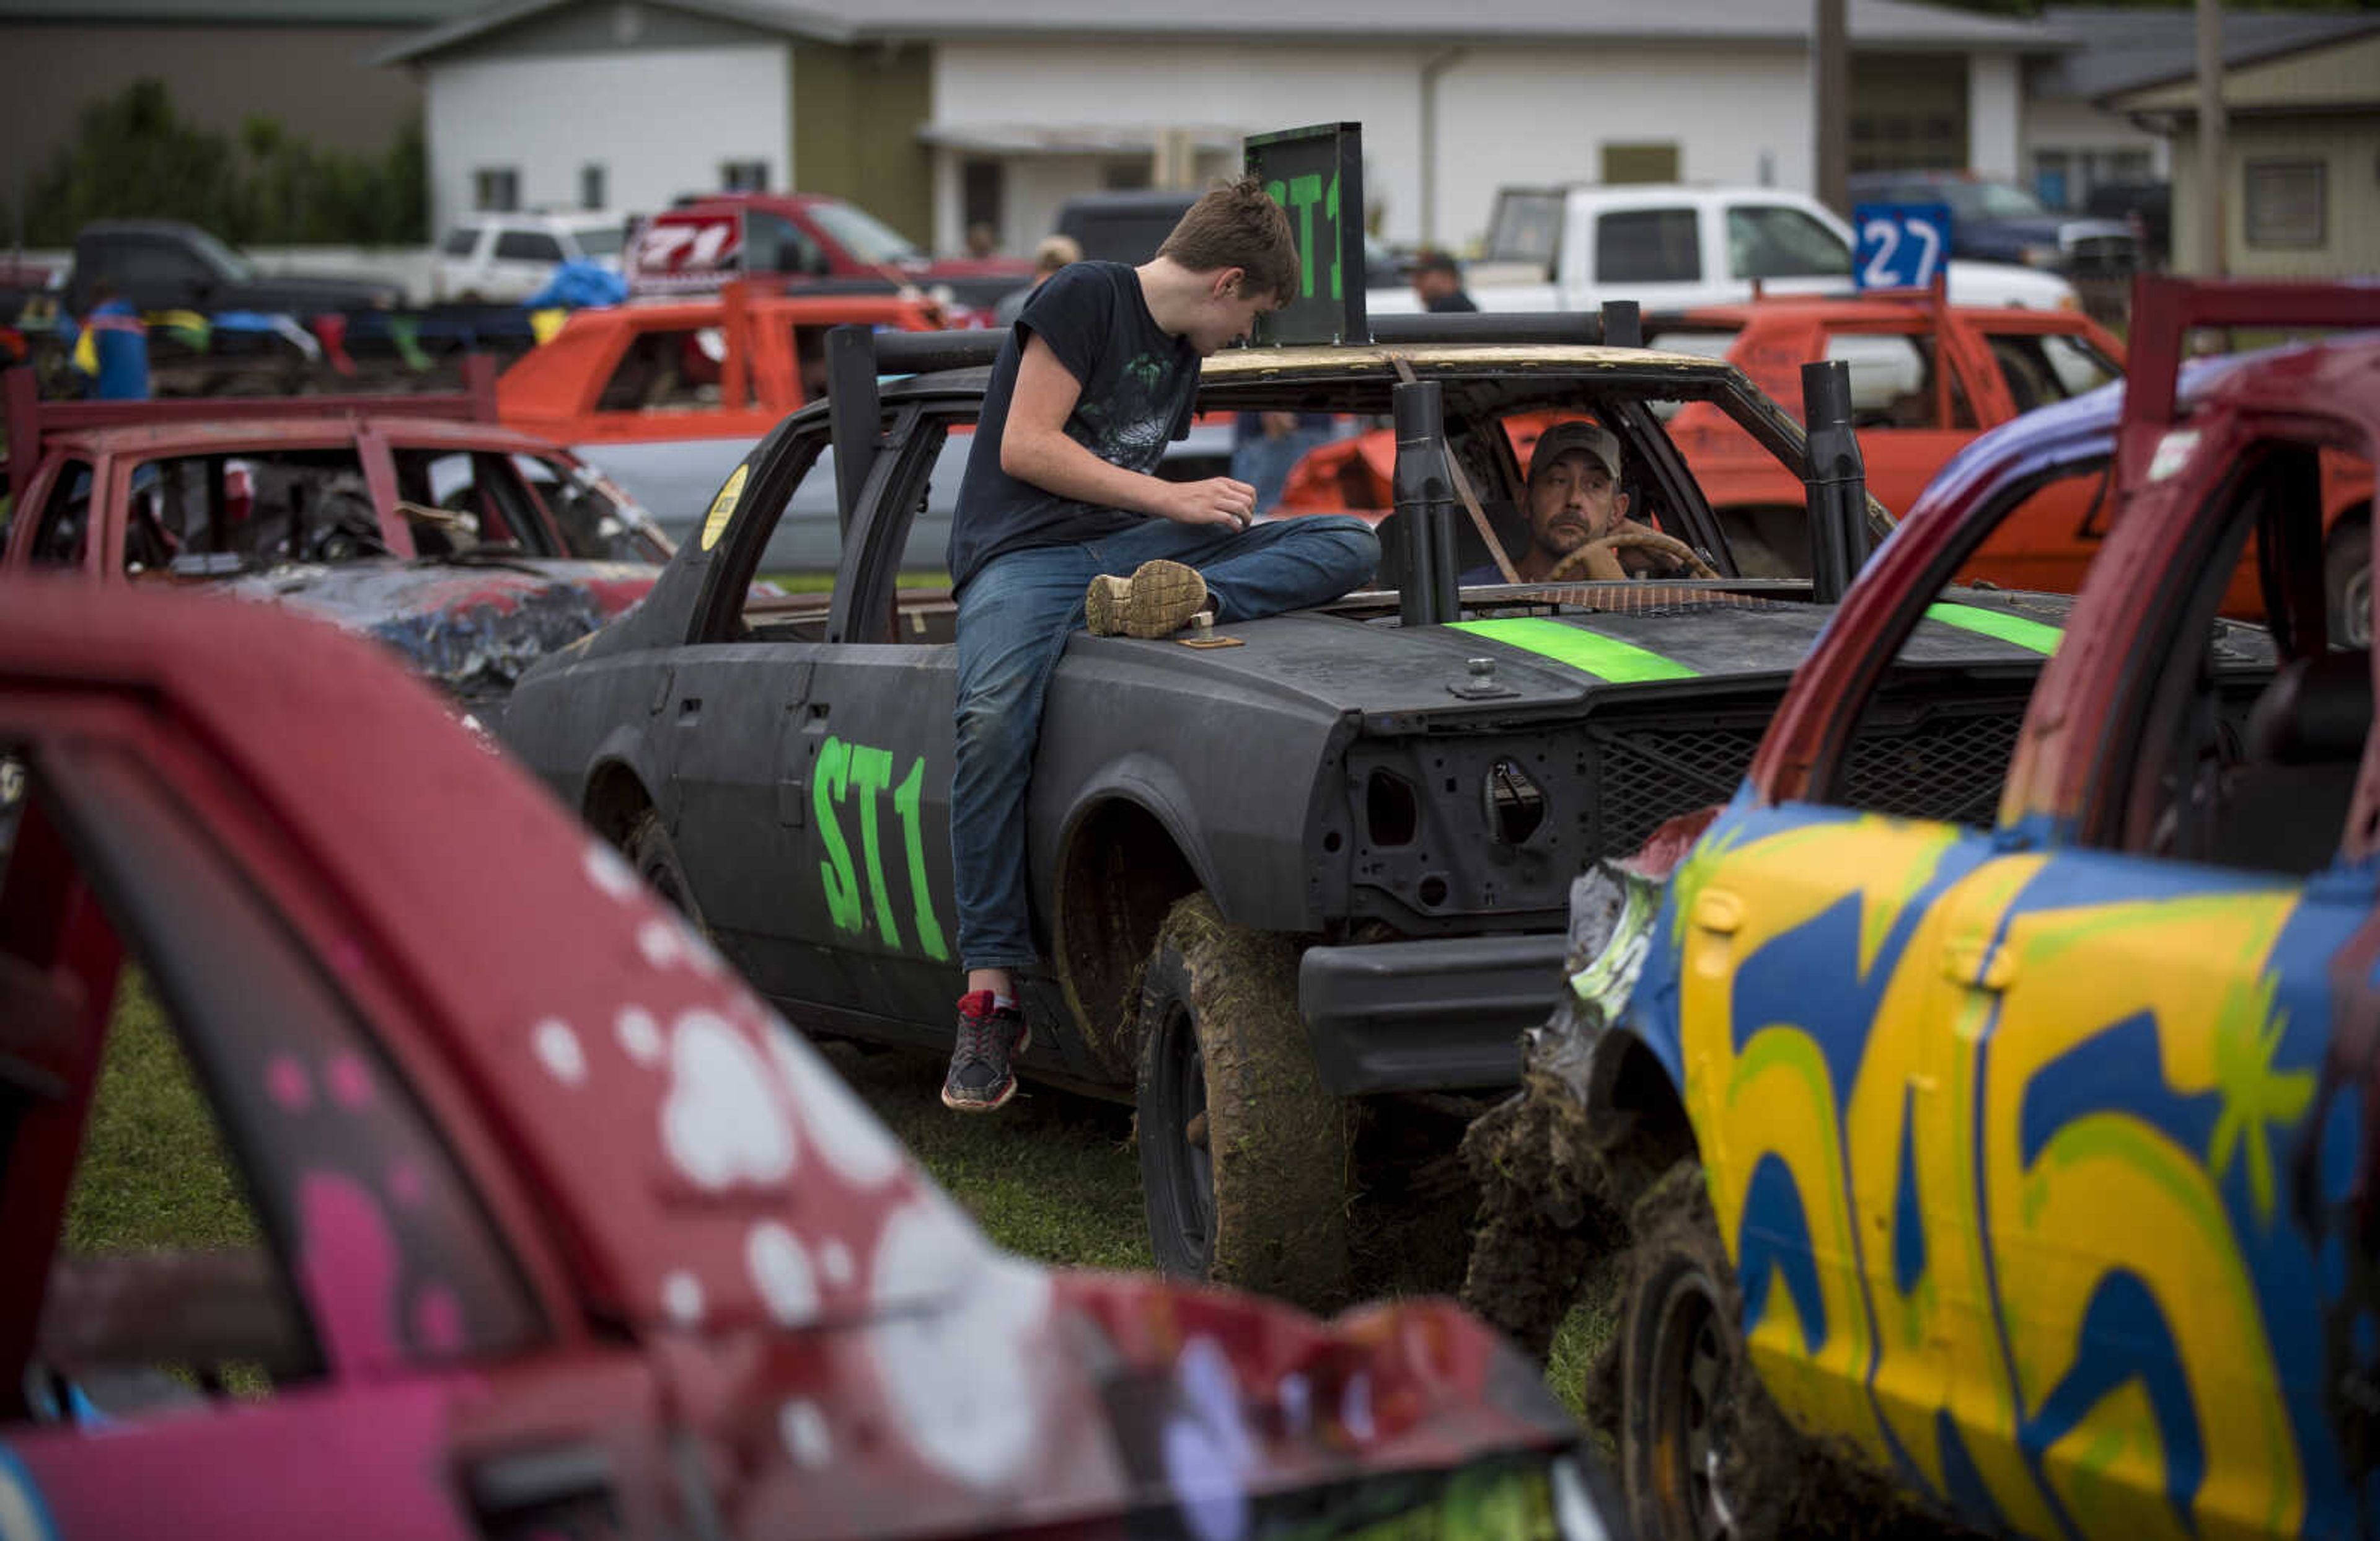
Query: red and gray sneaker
[981, 1079]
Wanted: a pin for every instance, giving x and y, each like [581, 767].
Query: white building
[941, 114]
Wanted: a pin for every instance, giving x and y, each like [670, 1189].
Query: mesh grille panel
[1651, 776]
[1942, 767]
[1945, 768]
[1636, 598]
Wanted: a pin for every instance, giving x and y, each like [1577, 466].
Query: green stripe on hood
[2036, 635]
[1604, 657]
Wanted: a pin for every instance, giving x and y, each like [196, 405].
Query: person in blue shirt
[117, 358]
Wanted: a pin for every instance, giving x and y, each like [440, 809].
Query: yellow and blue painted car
[2031, 1158]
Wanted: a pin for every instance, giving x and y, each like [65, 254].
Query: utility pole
[1831, 106]
[2210, 176]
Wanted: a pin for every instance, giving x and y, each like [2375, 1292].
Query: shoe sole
[1157, 600]
[1007, 1088]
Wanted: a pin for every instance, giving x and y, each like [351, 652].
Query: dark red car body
[565, 1233]
[544, 567]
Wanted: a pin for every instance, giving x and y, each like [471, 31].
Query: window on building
[1126, 173]
[2286, 203]
[744, 175]
[592, 194]
[1655, 245]
[982, 193]
[2053, 179]
[496, 190]
[1640, 162]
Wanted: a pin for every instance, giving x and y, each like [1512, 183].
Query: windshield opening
[868, 238]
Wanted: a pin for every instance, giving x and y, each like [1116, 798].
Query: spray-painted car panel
[564, 1233]
[471, 549]
[2039, 1151]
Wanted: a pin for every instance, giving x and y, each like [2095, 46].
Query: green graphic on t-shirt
[1131, 428]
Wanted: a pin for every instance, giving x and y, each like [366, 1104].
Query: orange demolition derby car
[1927, 379]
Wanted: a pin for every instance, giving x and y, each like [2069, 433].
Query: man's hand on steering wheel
[1598, 560]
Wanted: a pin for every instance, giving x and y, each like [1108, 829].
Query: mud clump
[1545, 1212]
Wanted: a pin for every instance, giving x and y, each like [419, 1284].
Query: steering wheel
[1599, 560]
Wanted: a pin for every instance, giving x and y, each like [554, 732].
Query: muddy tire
[654, 856]
[2347, 583]
[1704, 1452]
[1244, 1159]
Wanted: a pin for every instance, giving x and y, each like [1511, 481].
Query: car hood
[1646, 641]
[473, 626]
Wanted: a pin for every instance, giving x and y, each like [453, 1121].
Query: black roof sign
[1318, 174]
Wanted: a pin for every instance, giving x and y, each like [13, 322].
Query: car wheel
[1705, 1453]
[1243, 1155]
[654, 856]
[2346, 584]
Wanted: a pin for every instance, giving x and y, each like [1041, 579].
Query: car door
[523, 261]
[878, 748]
[727, 731]
[2005, 1116]
[331, 1355]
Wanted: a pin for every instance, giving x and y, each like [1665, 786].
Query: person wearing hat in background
[1054, 252]
[1438, 283]
[1575, 498]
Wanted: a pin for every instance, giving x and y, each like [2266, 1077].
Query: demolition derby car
[2023, 1156]
[561, 1233]
[1330, 851]
[469, 549]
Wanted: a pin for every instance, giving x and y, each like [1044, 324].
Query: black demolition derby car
[1301, 881]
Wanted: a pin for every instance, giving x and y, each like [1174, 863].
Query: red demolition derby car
[563, 1233]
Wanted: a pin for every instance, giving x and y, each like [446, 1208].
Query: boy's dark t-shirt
[1138, 381]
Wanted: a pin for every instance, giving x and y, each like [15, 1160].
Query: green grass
[154, 1173]
[1053, 1177]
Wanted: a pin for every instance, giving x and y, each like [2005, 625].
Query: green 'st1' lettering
[858, 772]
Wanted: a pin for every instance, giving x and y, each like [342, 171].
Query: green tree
[136, 158]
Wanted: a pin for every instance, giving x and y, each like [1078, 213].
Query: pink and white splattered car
[565, 1234]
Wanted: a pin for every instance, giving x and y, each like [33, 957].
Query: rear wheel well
[615, 798]
[1118, 875]
[1640, 1127]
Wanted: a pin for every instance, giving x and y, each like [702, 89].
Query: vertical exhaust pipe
[1834, 481]
[1424, 498]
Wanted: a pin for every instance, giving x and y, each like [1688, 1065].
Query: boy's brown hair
[1236, 224]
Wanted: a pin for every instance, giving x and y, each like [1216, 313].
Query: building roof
[2123, 49]
[239, 13]
[1875, 24]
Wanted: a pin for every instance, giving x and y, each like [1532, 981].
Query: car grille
[1946, 765]
[2103, 257]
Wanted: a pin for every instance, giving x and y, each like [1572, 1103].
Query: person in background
[1054, 252]
[1438, 281]
[982, 240]
[113, 346]
[1266, 446]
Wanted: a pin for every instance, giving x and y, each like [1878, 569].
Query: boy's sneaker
[981, 1079]
[1157, 600]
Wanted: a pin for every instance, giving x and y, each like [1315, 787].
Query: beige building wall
[2347, 148]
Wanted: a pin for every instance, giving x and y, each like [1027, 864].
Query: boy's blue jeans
[1014, 619]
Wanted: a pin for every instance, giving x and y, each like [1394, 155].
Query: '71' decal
[856, 772]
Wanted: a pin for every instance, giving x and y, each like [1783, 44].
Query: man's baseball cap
[1574, 433]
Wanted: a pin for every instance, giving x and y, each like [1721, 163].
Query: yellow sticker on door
[722, 507]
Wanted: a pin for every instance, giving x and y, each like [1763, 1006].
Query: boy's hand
[1216, 501]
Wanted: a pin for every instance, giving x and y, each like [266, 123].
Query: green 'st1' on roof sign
[1318, 174]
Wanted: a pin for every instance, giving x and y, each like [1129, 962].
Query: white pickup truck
[1669, 248]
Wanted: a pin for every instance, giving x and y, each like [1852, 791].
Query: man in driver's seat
[1574, 503]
